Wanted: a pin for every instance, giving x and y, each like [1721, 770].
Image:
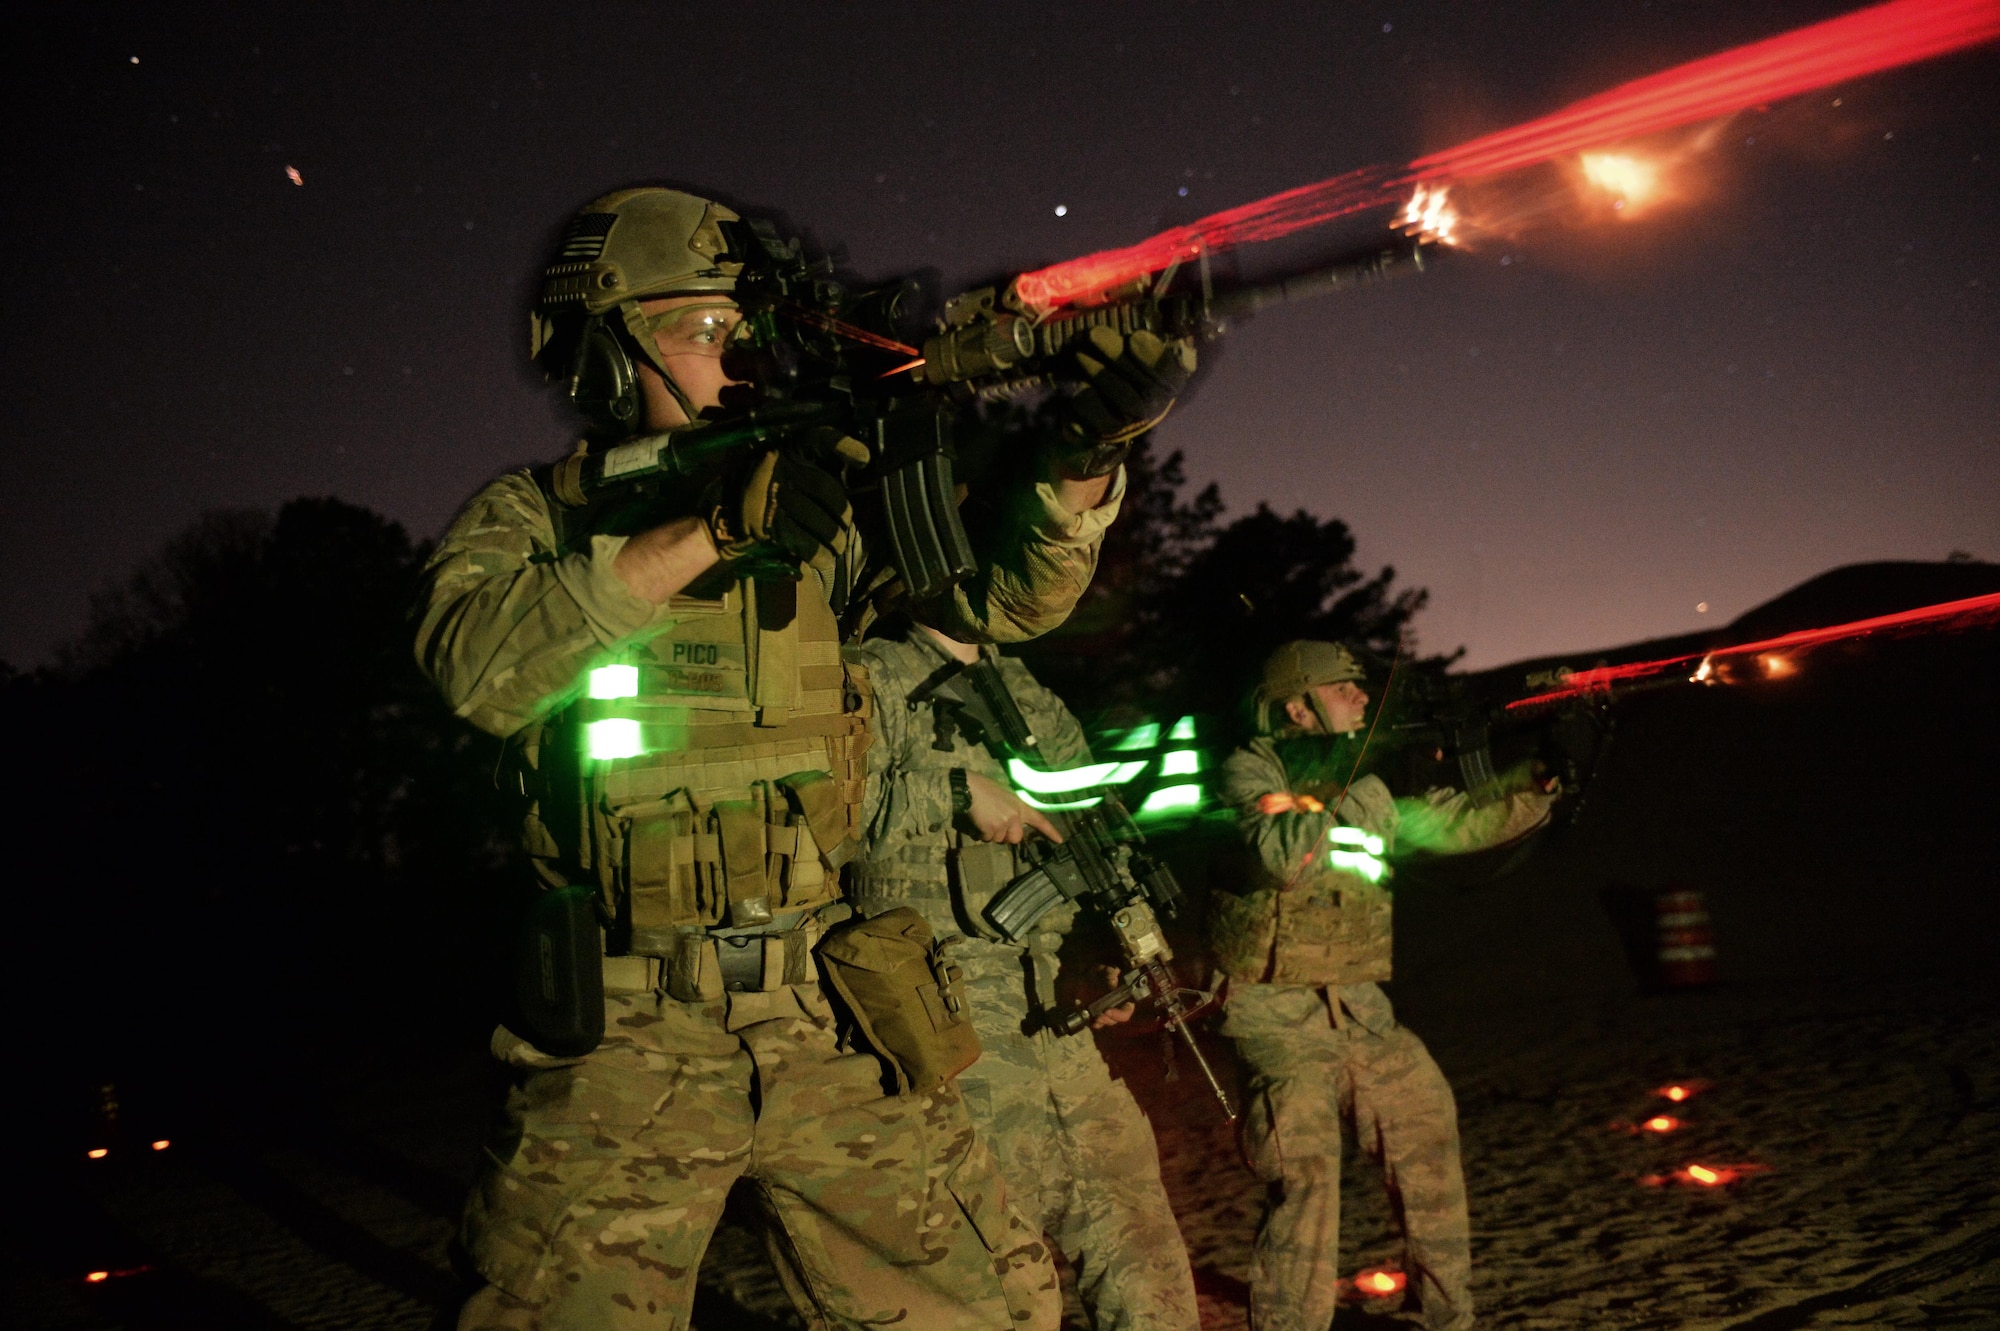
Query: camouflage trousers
[1310, 1065]
[593, 1209]
[1077, 1152]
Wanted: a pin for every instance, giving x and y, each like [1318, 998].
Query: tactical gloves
[1128, 386]
[775, 512]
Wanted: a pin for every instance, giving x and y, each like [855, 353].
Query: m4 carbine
[1101, 865]
[832, 364]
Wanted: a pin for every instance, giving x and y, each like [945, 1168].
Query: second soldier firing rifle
[1101, 865]
[833, 364]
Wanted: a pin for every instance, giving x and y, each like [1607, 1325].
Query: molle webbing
[737, 862]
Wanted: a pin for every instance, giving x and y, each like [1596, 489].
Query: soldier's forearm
[1080, 494]
[658, 563]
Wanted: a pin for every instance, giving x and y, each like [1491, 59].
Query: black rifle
[1457, 719]
[1101, 865]
[827, 361]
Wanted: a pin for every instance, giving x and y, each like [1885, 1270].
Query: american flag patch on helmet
[583, 238]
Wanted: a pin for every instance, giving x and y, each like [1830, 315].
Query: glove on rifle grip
[1130, 386]
[783, 506]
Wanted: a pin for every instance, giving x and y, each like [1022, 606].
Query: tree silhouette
[1185, 607]
[243, 787]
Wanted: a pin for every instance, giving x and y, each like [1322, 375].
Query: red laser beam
[1867, 41]
[1864, 42]
[1948, 614]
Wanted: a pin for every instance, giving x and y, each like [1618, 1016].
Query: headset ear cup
[603, 383]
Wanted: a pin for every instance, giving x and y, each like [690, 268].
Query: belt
[756, 958]
[741, 960]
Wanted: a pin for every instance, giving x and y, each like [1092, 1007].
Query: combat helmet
[1295, 669]
[618, 250]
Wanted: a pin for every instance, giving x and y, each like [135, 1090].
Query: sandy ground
[1871, 1112]
[1844, 834]
[1874, 1124]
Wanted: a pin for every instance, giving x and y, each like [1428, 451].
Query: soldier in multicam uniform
[715, 846]
[1305, 944]
[941, 822]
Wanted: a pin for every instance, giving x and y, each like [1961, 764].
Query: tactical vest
[711, 777]
[1332, 926]
[950, 876]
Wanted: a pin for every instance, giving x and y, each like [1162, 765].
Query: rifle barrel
[1343, 274]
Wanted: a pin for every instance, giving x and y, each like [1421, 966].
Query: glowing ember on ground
[292, 173]
[1777, 667]
[98, 1277]
[1661, 1123]
[1703, 1176]
[1379, 1283]
[162, 1144]
[1681, 1090]
[97, 1152]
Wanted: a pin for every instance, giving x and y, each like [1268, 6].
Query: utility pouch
[815, 798]
[980, 871]
[907, 998]
[558, 974]
[740, 825]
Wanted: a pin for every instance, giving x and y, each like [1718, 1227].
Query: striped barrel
[1687, 944]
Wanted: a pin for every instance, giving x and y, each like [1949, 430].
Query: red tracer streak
[1948, 614]
[1864, 42]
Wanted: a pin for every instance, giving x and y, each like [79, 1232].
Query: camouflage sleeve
[1041, 561]
[1285, 840]
[1446, 822]
[509, 626]
[1059, 734]
[1280, 841]
[903, 797]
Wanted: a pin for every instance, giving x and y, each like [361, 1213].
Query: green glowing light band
[1181, 762]
[1361, 854]
[1354, 836]
[1139, 737]
[1183, 729]
[615, 681]
[1170, 799]
[1076, 778]
[1356, 862]
[618, 737]
[1032, 802]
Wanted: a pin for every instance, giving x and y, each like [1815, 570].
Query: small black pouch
[558, 974]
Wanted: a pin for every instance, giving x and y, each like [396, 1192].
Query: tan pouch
[979, 871]
[693, 974]
[907, 998]
[740, 825]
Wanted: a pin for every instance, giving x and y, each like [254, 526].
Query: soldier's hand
[998, 814]
[1128, 385]
[1119, 1015]
[778, 506]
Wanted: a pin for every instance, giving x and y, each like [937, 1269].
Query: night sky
[1572, 437]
